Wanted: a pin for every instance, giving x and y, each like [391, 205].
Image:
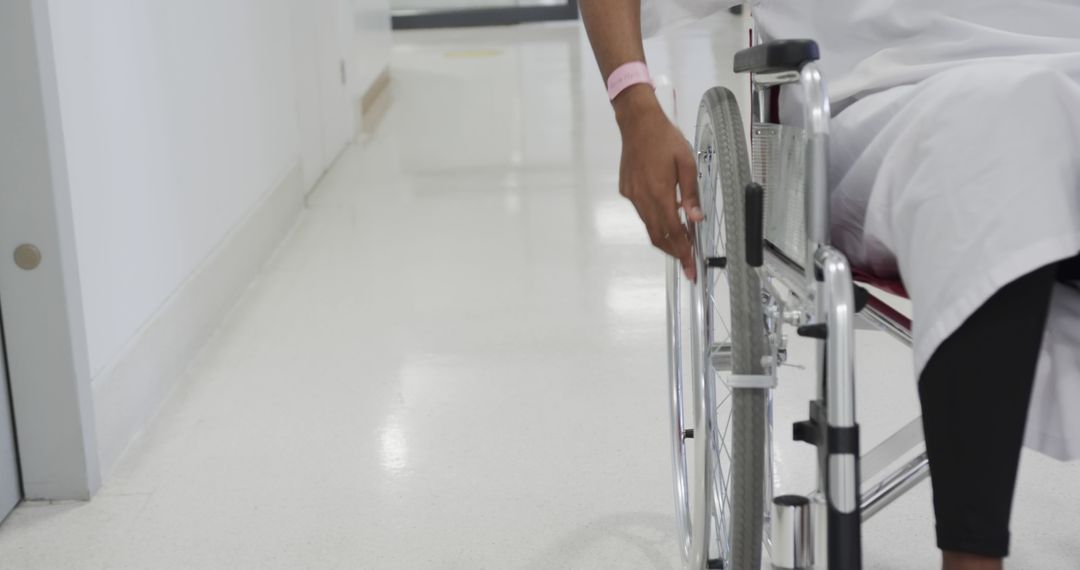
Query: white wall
[179, 118]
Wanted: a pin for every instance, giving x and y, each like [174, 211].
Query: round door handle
[27, 256]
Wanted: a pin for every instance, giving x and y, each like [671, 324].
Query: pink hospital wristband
[626, 75]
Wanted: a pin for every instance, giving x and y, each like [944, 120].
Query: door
[305, 30]
[10, 487]
[321, 32]
[338, 119]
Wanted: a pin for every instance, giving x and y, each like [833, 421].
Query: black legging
[975, 392]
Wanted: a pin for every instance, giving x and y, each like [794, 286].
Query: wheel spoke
[721, 498]
[722, 473]
[727, 428]
[726, 398]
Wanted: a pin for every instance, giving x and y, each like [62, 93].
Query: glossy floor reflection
[457, 361]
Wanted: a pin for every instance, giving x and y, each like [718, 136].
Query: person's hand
[656, 157]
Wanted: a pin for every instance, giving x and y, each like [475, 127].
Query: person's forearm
[655, 155]
[614, 28]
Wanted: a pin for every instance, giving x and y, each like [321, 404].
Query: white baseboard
[129, 393]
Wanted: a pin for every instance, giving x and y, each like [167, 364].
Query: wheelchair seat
[889, 285]
[881, 313]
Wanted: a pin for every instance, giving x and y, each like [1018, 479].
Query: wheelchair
[764, 249]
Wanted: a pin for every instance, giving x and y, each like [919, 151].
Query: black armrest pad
[774, 57]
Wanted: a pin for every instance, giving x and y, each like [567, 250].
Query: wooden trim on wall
[375, 102]
[378, 87]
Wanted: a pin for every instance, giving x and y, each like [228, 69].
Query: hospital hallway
[456, 358]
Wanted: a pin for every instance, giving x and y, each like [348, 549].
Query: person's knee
[995, 121]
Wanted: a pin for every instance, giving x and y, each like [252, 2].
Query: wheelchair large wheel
[720, 477]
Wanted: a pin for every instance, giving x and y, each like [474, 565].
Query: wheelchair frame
[822, 530]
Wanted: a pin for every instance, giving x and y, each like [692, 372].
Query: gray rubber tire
[723, 174]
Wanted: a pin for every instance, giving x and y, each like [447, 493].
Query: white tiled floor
[456, 361]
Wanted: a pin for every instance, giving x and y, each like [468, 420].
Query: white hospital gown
[955, 158]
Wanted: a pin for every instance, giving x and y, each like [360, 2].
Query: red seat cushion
[894, 286]
[885, 310]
